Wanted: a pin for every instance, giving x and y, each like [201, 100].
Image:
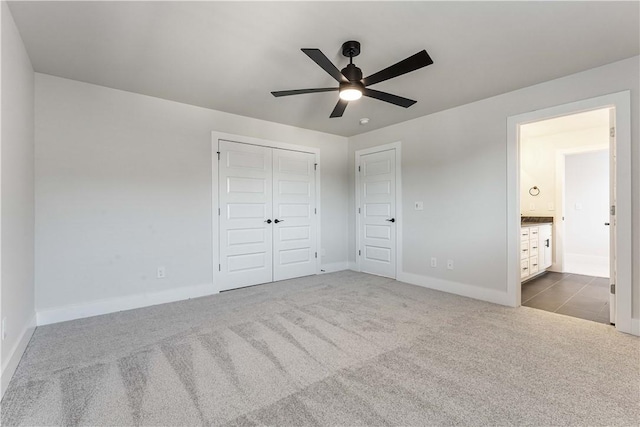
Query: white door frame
[359, 153]
[622, 103]
[215, 137]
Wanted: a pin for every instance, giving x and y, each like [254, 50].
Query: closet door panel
[294, 238]
[245, 180]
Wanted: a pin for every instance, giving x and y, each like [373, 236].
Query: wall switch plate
[161, 273]
[419, 206]
[450, 264]
[4, 328]
[434, 262]
[578, 206]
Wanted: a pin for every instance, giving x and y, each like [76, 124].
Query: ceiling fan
[352, 85]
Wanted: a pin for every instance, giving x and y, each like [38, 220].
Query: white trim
[335, 266]
[353, 266]
[359, 153]
[10, 365]
[113, 305]
[462, 289]
[622, 103]
[215, 138]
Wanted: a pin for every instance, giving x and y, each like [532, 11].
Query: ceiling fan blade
[301, 91]
[387, 97]
[339, 109]
[320, 59]
[412, 63]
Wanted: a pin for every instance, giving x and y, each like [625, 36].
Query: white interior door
[245, 201]
[294, 239]
[612, 216]
[377, 195]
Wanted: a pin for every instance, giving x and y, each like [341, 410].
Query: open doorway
[566, 192]
[620, 217]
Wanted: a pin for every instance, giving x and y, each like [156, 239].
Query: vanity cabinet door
[545, 246]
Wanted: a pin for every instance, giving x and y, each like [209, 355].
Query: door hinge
[613, 210]
[218, 155]
[358, 210]
[315, 211]
[359, 253]
[358, 168]
[612, 132]
[315, 166]
[219, 268]
[613, 288]
[316, 254]
[218, 211]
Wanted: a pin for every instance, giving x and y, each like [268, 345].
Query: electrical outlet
[419, 206]
[434, 262]
[450, 264]
[4, 328]
[161, 273]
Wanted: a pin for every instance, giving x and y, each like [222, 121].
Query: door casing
[621, 101]
[217, 136]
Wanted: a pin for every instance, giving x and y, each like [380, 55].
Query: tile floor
[573, 295]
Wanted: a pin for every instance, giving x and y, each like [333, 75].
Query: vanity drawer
[533, 233]
[524, 267]
[524, 250]
[524, 234]
[533, 247]
[533, 265]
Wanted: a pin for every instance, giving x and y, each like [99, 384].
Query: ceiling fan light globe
[350, 94]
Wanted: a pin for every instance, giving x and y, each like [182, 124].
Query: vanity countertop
[529, 221]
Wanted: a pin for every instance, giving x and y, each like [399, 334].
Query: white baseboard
[352, 265]
[635, 327]
[475, 292]
[589, 265]
[9, 367]
[335, 266]
[112, 305]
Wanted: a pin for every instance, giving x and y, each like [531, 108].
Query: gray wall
[123, 185]
[455, 161]
[17, 208]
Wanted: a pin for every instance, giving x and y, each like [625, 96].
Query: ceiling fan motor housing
[352, 73]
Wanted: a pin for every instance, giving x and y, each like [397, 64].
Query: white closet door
[245, 179]
[378, 210]
[294, 239]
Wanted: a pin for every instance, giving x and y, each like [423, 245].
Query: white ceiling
[228, 56]
[571, 123]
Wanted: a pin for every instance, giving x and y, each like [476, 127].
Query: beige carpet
[336, 349]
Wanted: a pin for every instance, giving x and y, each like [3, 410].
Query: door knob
[278, 220]
[268, 221]
[391, 220]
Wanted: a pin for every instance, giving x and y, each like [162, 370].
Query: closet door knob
[391, 220]
[268, 221]
[278, 220]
